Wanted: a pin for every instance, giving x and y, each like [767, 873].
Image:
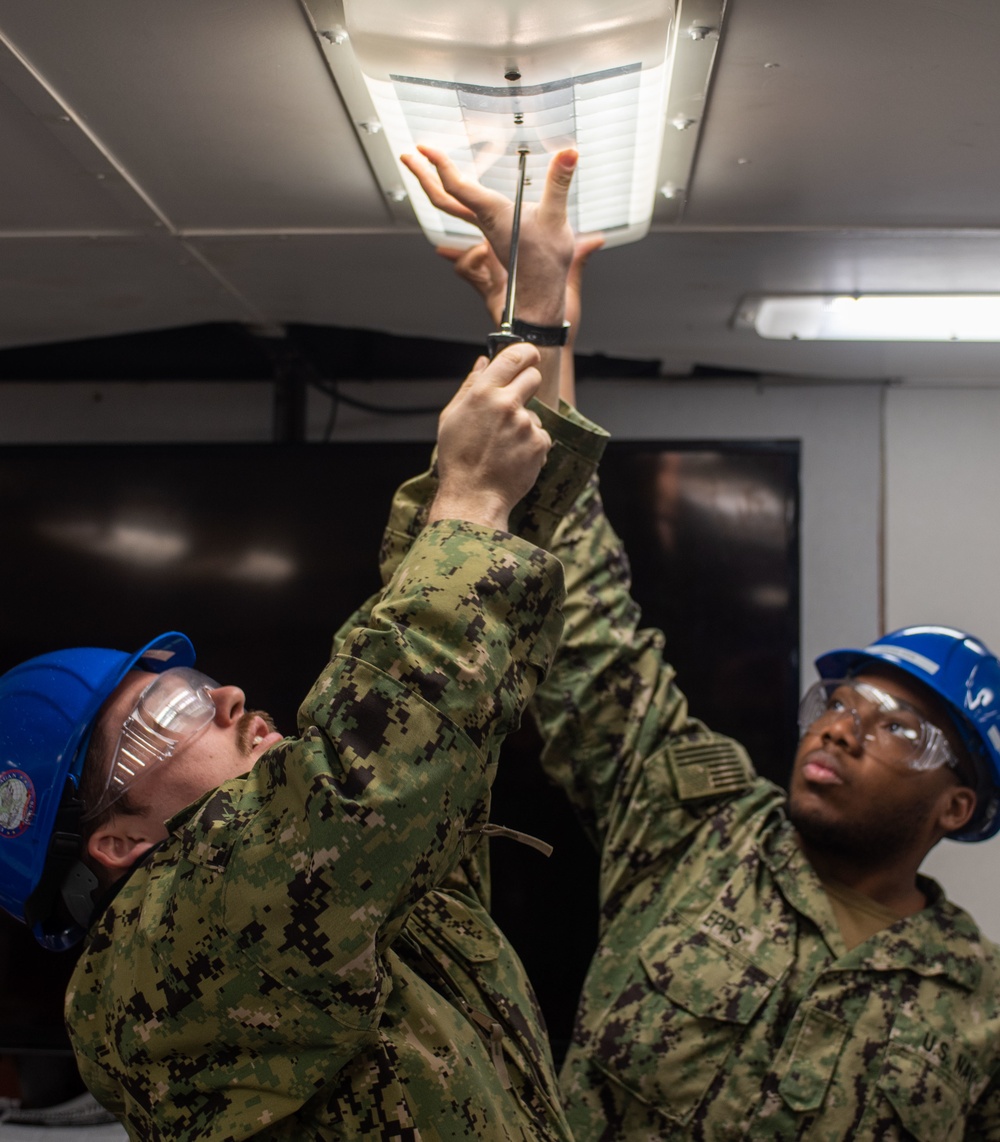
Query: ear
[119, 843]
[956, 806]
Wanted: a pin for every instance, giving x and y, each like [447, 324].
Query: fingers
[449, 191]
[482, 269]
[503, 370]
[536, 422]
[514, 368]
[472, 378]
[524, 386]
[453, 253]
[471, 264]
[584, 248]
[511, 361]
[558, 179]
[432, 182]
[466, 192]
[463, 198]
[517, 373]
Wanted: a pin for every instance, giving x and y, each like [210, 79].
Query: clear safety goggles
[888, 729]
[170, 713]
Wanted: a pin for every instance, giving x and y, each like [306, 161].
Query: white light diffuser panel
[590, 75]
[874, 317]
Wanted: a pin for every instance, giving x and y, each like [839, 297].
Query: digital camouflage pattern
[305, 957]
[577, 447]
[722, 1002]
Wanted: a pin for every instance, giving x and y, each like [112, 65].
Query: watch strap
[544, 335]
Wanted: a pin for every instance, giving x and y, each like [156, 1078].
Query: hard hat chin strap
[65, 879]
[78, 891]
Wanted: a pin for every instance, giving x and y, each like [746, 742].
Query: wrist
[539, 313]
[487, 509]
[550, 366]
[541, 306]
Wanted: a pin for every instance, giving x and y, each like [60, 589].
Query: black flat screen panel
[258, 552]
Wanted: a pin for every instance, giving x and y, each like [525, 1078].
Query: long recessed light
[873, 317]
[481, 80]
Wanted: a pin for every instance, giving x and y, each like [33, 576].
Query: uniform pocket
[929, 1106]
[672, 1028]
[816, 1047]
[708, 980]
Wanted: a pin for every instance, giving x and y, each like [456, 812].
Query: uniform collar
[797, 881]
[205, 827]
[940, 940]
[108, 896]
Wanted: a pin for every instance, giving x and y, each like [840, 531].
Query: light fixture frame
[692, 46]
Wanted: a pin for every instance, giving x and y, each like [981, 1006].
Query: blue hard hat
[48, 707]
[966, 675]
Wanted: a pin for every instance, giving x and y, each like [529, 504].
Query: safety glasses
[169, 714]
[888, 729]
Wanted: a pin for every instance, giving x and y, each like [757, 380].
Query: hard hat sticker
[17, 802]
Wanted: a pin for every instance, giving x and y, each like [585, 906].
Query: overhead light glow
[481, 80]
[609, 114]
[263, 567]
[137, 543]
[874, 317]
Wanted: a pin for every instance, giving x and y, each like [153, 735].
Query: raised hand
[490, 446]
[546, 242]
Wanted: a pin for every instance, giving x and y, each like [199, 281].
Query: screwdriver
[505, 335]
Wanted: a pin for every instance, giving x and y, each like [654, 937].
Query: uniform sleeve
[375, 802]
[248, 959]
[577, 446]
[618, 737]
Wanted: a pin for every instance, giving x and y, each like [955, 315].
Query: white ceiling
[186, 161]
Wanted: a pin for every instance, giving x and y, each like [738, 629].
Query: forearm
[611, 702]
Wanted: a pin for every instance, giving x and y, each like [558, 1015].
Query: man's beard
[244, 730]
[874, 839]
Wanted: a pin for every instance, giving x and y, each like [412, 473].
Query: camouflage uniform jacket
[722, 1002]
[303, 957]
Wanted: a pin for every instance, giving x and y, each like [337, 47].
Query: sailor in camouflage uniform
[305, 950]
[742, 987]
[262, 974]
[769, 966]
[773, 968]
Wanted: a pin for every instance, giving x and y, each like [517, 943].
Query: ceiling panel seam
[71, 132]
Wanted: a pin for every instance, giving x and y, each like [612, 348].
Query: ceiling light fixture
[873, 317]
[481, 79]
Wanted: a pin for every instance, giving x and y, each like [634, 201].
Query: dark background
[111, 545]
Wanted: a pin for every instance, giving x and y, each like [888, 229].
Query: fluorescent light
[479, 79]
[874, 317]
